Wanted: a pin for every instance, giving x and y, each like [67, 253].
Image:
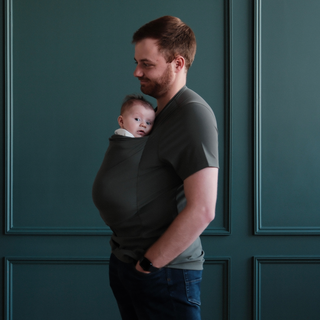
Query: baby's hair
[131, 99]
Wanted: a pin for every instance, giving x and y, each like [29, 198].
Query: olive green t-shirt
[139, 187]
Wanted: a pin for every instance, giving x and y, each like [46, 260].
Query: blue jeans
[168, 294]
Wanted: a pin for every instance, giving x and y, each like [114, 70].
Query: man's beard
[159, 87]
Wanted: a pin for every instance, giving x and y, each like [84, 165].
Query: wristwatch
[146, 265]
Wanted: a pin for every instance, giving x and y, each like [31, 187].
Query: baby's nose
[143, 124]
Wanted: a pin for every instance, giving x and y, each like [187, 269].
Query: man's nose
[137, 72]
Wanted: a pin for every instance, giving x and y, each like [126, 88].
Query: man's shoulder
[190, 104]
[187, 109]
[189, 96]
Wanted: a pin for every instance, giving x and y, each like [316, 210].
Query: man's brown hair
[173, 38]
[132, 99]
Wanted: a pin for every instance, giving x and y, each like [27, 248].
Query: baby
[119, 170]
[136, 117]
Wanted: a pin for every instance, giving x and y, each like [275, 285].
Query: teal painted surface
[287, 288]
[53, 288]
[72, 63]
[216, 287]
[289, 151]
[67, 87]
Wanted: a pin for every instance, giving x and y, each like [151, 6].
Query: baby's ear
[120, 121]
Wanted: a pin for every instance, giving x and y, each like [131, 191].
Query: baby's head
[137, 115]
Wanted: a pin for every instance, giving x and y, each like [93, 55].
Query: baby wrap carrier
[115, 187]
[114, 192]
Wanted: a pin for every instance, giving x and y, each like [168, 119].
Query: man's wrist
[147, 265]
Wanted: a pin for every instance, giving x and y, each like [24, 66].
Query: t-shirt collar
[167, 106]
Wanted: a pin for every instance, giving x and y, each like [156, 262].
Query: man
[157, 260]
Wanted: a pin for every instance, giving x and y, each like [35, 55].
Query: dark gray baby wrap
[114, 193]
[115, 187]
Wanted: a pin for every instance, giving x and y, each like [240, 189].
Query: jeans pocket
[192, 280]
[150, 275]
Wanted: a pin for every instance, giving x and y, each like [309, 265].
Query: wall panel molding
[14, 229]
[8, 113]
[260, 261]
[225, 262]
[9, 278]
[257, 118]
[259, 227]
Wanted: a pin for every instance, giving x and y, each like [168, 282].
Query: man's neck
[163, 100]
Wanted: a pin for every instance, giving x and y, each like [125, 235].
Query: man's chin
[148, 91]
[146, 88]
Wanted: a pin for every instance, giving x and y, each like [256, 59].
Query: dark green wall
[67, 64]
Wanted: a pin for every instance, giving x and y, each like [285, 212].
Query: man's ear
[179, 63]
[120, 121]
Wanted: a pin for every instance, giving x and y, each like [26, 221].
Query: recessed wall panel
[69, 65]
[49, 288]
[287, 288]
[215, 288]
[287, 116]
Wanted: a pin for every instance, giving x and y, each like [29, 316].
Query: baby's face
[138, 120]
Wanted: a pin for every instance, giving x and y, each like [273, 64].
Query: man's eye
[147, 65]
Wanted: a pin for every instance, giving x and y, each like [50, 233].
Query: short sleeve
[191, 140]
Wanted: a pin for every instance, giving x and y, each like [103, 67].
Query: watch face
[145, 264]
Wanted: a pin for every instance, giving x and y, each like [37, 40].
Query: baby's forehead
[137, 105]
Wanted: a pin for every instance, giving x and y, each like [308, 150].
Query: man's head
[164, 51]
[137, 115]
[172, 36]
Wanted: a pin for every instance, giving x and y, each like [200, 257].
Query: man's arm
[201, 195]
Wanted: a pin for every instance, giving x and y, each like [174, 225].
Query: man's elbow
[211, 215]
[208, 214]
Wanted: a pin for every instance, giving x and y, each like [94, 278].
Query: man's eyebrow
[142, 60]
